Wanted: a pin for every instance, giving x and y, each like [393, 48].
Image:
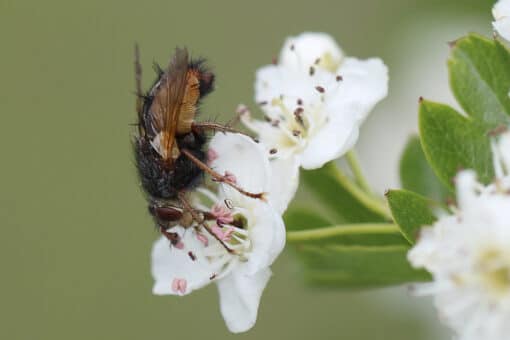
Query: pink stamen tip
[212, 155]
[179, 286]
[203, 239]
[223, 214]
[179, 245]
[222, 235]
[230, 177]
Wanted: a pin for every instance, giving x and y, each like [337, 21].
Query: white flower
[468, 255]
[501, 155]
[314, 101]
[250, 228]
[501, 13]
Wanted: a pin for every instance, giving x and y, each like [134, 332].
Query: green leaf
[417, 175]
[356, 255]
[411, 211]
[301, 218]
[329, 187]
[480, 79]
[357, 266]
[453, 142]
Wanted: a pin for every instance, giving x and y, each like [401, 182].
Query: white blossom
[468, 255]
[314, 101]
[501, 13]
[250, 228]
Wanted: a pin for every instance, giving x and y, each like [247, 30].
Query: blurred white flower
[468, 255]
[314, 101]
[251, 229]
[501, 156]
[501, 13]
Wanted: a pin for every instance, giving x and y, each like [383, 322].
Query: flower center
[494, 269]
[296, 120]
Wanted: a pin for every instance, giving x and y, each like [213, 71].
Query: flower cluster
[314, 101]
[468, 254]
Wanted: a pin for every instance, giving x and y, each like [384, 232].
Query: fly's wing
[167, 103]
[189, 103]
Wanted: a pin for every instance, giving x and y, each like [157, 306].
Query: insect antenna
[138, 83]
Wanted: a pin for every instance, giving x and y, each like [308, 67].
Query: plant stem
[369, 201]
[352, 160]
[344, 229]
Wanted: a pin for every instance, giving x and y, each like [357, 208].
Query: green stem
[352, 160]
[344, 229]
[369, 201]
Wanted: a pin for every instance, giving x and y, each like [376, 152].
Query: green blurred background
[75, 233]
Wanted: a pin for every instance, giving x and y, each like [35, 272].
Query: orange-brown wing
[189, 103]
[166, 106]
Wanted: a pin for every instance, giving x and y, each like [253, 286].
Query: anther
[320, 89]
[262, 103]
[311, 71]
[298, 115]
[292, 47]
[296, 133]
[300, 101]
[339, 78]
[317, 61]
[275, 123]
[228, 203]
[267, 118]
[273, 151]
[192, 256]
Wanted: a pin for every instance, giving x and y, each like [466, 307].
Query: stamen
[339, 78]
[292, 47]
[317, 61]
[223, 235]
[179, 285]
[300, 101]
[296, 133]
[229, 203]
[311, 71]
[273, 151]
[212, 155]
[222, 214]
[320, 89]
[298, 116]
[230, 177]
[192, 256]
[262, 103]
[203, 239]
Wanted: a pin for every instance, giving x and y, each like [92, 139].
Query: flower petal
[365, 82]
[305, 49]
[284, 182]
[170, 264]
[245, 159]
[240, 297]
[267, 234]
[501, 12]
